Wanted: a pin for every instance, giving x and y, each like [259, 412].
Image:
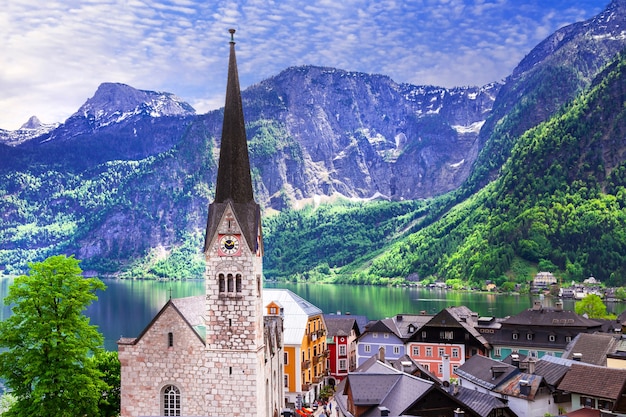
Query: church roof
[234, 181]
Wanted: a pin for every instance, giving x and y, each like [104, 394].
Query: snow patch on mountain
[31, 129]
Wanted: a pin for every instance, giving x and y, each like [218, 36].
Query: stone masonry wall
[150, 365]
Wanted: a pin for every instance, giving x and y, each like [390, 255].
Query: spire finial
[232, 35]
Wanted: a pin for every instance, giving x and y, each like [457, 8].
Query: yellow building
[304, 344]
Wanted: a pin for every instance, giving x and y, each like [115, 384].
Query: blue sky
[55, 53]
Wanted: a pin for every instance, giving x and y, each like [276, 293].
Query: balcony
[306, 364]
[306, 387]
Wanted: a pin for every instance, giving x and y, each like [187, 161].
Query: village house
[544, 280]
[539, 331]
[525, 392]
[389, 334]
[378, 389]
[215, 354]
[304, 345]
[596, 387]
[342, 333]
[446, 341]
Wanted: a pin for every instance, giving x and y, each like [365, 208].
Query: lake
[127, 307]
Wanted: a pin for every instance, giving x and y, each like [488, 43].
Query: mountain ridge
[136, 190]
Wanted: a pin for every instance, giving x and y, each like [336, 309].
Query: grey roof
[593, 347]
[296, 313]
[340, 325]
[551, 370]
[406, 364]
[553, 317]
[486, 372]
[395, 391]
[192, 308]
[383, 326]
[404, 322]
[482, 403]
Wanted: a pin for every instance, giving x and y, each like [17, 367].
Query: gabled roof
[340, 325]
[296, 313]
[594, 381]
[396, 391]
[552, 369]
[593, 347]
[553, 317]
[173, 305]
[486, 372]
[406, 364]
[406, 322]
[458, 317]
[481, 402]
[383, 326]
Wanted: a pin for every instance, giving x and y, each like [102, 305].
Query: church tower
[233, 250]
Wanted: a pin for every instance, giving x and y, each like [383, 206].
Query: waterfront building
[446, 341]
[539, 331]
[215, 354]
[304, 345]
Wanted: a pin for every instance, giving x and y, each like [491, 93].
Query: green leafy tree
[109, 365]
[591, 305]
[48, 341]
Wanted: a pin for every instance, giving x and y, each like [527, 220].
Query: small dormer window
[515, 336]
[552, 338]
[529, 336]
[411, 328]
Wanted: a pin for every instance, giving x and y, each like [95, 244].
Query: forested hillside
[560, 203]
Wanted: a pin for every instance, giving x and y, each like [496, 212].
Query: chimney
[531, 366]
[515, 360]
[381, 354]
[577, 357]
[399, 317]
[536, 305]
[384, 411]
[496, 371]
[524, 387]
[459, 413]
[558, 306]
[445, 362]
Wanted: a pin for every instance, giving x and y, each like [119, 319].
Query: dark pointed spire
[234, 181]
[233, 175]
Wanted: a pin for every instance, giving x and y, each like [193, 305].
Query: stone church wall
[151, 364]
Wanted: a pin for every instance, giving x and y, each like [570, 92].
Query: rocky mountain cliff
[131, 173]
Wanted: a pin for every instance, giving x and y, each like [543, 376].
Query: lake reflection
[127, 307]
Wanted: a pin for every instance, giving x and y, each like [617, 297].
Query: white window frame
[171, 400]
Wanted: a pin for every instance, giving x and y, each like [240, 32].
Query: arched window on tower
[238, 282]
[222, 283]
[230, 283]
[171, 401]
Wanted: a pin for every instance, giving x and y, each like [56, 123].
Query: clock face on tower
[229, 245]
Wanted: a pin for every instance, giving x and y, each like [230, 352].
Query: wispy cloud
[54, 54]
